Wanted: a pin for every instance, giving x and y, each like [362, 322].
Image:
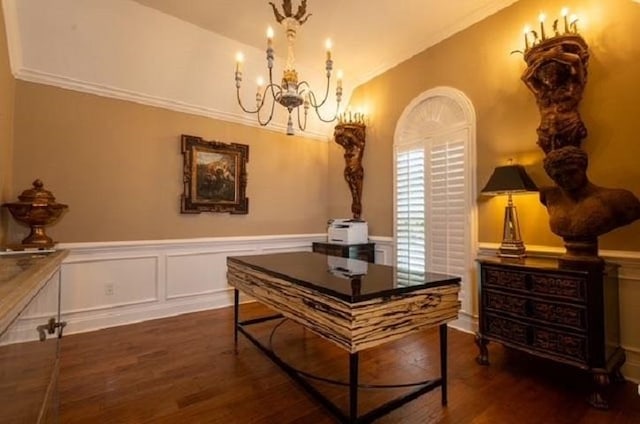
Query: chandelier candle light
[531, 37]
[291, 93]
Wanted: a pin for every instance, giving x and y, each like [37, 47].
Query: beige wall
[7, 87]
[477, 61]
[118, 166]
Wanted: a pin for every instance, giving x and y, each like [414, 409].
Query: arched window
[434, 188]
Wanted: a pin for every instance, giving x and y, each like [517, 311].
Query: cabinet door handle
[50, 327]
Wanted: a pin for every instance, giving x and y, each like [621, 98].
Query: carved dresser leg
[483, 357]
[601, 383]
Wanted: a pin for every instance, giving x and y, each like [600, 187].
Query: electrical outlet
[108, 289]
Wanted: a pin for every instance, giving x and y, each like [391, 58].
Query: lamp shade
[509, 179]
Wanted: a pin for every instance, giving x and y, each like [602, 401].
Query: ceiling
[166, 53]
[369, 36]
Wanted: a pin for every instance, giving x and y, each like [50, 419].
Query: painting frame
[214, 176]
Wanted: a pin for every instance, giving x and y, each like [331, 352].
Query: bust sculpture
[580, 211]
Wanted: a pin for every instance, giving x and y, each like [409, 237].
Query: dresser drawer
[504, 278]
[565, 287]
[546, 341]
[505, 329]
[498, 301]
[528, 308]
[559, 286]
[571, 346]
[557, 313]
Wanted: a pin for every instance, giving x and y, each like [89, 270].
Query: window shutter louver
[410, 212]
[446, 229]
[431, 215]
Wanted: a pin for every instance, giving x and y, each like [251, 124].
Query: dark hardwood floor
[184, 370]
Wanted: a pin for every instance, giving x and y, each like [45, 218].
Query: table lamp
[508, 180]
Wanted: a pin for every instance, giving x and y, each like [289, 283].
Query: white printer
[347, 231]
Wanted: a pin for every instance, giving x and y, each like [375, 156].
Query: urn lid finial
[37, 194]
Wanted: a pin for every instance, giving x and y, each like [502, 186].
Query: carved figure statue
[580, 211]
[351, 136]
[556, 75]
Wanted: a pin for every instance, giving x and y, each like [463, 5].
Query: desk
[355, 313]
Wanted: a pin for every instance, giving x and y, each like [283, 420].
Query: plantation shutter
[446, 225]
[410, 210]
[434, 168]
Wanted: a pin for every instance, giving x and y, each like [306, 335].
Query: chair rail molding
[106, 284]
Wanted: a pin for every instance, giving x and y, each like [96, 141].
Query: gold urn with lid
[36, 208]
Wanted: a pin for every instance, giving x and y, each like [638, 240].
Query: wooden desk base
[351, 326]
[354, 374]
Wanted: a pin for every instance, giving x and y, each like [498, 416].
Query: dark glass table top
[347, 279]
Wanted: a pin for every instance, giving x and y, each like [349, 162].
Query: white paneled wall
[117, 283]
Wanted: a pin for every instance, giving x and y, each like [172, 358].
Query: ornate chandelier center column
[291, 93]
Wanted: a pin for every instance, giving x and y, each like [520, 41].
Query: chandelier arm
[244, 109]
[301, 125]
[257, 110]
[317, 107]
[314, 103]
[273, 103]
[272, 85]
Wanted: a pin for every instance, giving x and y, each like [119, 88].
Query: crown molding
[40, 77]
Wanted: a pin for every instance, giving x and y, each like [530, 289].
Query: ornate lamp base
[512, 249]
[512, 245]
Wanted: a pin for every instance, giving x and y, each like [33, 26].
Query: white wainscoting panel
[194, 274]
[115, 283]
[91, 284]
[383, 250]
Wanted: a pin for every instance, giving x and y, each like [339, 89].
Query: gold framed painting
[215, 176]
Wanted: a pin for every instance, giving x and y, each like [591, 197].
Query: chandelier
[291, 93]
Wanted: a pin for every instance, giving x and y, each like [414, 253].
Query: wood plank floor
[184, 370]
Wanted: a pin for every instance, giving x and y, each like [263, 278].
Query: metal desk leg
[443, 362]
[353, 387]
[236, 301]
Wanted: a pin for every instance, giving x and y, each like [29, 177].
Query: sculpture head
[567, 167]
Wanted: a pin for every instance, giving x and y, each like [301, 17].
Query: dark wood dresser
[566, 315]
[364, 251]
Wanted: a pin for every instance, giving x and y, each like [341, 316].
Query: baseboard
[631, 367]
[466, 323]
[81, 321]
